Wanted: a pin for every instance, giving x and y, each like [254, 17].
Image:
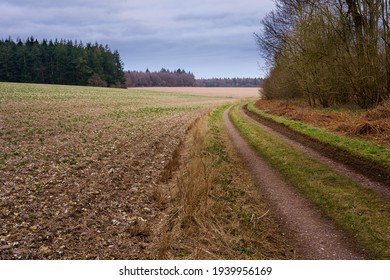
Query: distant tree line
[60, 62]
[162, 78]
[181, 78]
[230, 82]
[328, 51]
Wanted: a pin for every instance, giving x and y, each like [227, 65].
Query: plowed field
[79, 168]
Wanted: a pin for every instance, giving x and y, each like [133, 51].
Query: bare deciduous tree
[328, 51]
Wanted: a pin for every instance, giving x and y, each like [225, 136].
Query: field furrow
[79, 168]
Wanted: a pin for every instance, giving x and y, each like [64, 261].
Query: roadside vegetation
[358, 211]
[369, 150]
[215, 210]
[372, 125]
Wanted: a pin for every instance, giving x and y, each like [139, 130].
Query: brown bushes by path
[216, 212]
[372, 125]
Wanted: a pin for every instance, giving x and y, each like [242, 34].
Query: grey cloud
[208, 34]
[201, 17]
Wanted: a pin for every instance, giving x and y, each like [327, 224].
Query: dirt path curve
[344, 169]
[317, 236]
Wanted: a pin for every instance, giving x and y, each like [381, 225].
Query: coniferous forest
[60, 62]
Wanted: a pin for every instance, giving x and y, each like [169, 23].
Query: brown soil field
[80, 167]
[95, 173]
[227, 92]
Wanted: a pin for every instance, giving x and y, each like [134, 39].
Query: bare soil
[79, 169]
[87, 173]
[223, 92]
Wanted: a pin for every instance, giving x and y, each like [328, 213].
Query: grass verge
[362, 148]
[216, 211]
[362, 214]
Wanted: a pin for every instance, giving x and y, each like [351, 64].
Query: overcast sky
[211, 38]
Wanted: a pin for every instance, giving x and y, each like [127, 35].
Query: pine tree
[59, 62]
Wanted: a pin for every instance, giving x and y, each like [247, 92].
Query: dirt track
[318, 237]
[344, 163]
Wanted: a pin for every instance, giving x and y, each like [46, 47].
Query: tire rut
[329, 160]
[317, 236]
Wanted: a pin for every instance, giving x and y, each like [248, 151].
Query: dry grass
[216, 211]
[375, 123]
[380, 112]
[371, 125]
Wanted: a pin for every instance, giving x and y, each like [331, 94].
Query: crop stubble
[79, 168]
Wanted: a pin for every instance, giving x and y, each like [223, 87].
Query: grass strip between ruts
[362, 214]
[362, 148]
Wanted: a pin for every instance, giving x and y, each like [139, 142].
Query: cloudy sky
[211, 38]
